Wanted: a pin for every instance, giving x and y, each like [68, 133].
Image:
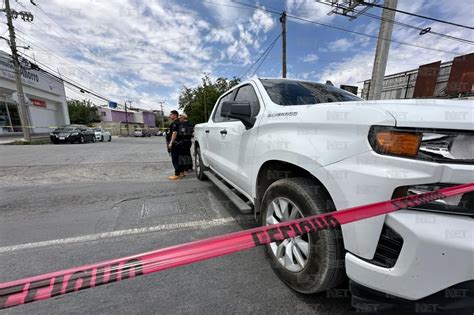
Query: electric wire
[64, 78]
[417, 15]
[261, 56]
[463, 40]
[265, 56]
[295, 17]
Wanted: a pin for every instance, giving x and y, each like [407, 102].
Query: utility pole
[381, 52]
[162, 114]
[22, 110]
[205, 106]
[283, 43]
[126, 117]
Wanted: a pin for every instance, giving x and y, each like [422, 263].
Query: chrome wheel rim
[291, 253]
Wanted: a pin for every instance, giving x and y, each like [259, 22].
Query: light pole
[126, 117]
[162, 114]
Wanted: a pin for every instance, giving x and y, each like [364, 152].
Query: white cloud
[403, 57]
[138, 50]
[310, 58]
[342, 44]
[309, 9]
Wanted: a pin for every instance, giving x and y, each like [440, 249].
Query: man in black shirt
[186, 131]
[175, 146]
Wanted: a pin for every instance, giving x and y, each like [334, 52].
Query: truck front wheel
[310, 263]
[199, 167]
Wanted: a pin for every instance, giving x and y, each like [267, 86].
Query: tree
[82, 112]
[199, 101]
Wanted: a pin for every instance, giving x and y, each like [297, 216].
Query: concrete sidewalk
[13, 139]
[9, 140]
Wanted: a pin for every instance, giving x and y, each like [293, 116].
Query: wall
[119, 116]
[105, 114]
[149, 119]
[36, 85]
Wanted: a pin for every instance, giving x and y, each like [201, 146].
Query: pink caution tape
[45, 286]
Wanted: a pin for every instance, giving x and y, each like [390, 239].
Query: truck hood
[429, 113]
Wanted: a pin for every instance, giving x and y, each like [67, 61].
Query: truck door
[211, 132]
[236, 144]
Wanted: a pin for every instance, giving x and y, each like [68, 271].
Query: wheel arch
[273, 170]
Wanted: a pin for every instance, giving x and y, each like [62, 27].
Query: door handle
[223, 132]
[206, 131]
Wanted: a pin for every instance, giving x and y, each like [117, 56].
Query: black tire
[81, 139]
[325, 261]
[199, 167]
[93, 139]
[101, 138]
[110, 138]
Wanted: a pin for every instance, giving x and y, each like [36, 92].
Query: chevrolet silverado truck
[283, 149]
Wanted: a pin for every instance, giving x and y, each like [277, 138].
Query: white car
[139, 132]
[102, 134]
[294, 148]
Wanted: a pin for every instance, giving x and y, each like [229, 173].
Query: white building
[45, 100]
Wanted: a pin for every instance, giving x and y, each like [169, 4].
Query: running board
[236, 200]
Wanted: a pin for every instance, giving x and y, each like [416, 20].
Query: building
[116, 119]
[44, 95]
[434, 80]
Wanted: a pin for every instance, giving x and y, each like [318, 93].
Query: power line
[261, 56]
[67, 80]
[195, 34]
[74, 42]
[417, 15]
[33, 42]
[427, 30]
[266, 55]
[345, 29]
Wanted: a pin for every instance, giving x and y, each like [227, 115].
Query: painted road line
[120, 233]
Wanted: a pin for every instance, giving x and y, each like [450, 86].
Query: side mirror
[239, 110]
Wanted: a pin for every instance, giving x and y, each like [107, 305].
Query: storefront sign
[38, 103]
[34, 78]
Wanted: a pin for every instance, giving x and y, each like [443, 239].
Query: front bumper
[437, 253]
[66, 138]
[438, 249]
[458, 298]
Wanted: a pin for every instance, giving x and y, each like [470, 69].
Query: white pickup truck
[282, 149]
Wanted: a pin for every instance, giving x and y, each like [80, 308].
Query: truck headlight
[434, 145]
[395, 142]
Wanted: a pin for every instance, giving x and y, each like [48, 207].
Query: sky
[146, 51]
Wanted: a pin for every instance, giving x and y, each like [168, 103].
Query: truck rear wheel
[310, 263]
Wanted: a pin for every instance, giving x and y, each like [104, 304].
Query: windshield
[98, 129]
[292, 92]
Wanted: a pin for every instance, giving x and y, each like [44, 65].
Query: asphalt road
[56, 199]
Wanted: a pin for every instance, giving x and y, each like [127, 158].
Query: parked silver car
[102, 134]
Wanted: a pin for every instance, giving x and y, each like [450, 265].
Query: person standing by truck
[186, 130]
[174, 145]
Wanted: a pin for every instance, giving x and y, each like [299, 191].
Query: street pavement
[62, 205]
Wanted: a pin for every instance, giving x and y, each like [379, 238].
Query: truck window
[293, 92]
[217, 114]
[246, 93]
